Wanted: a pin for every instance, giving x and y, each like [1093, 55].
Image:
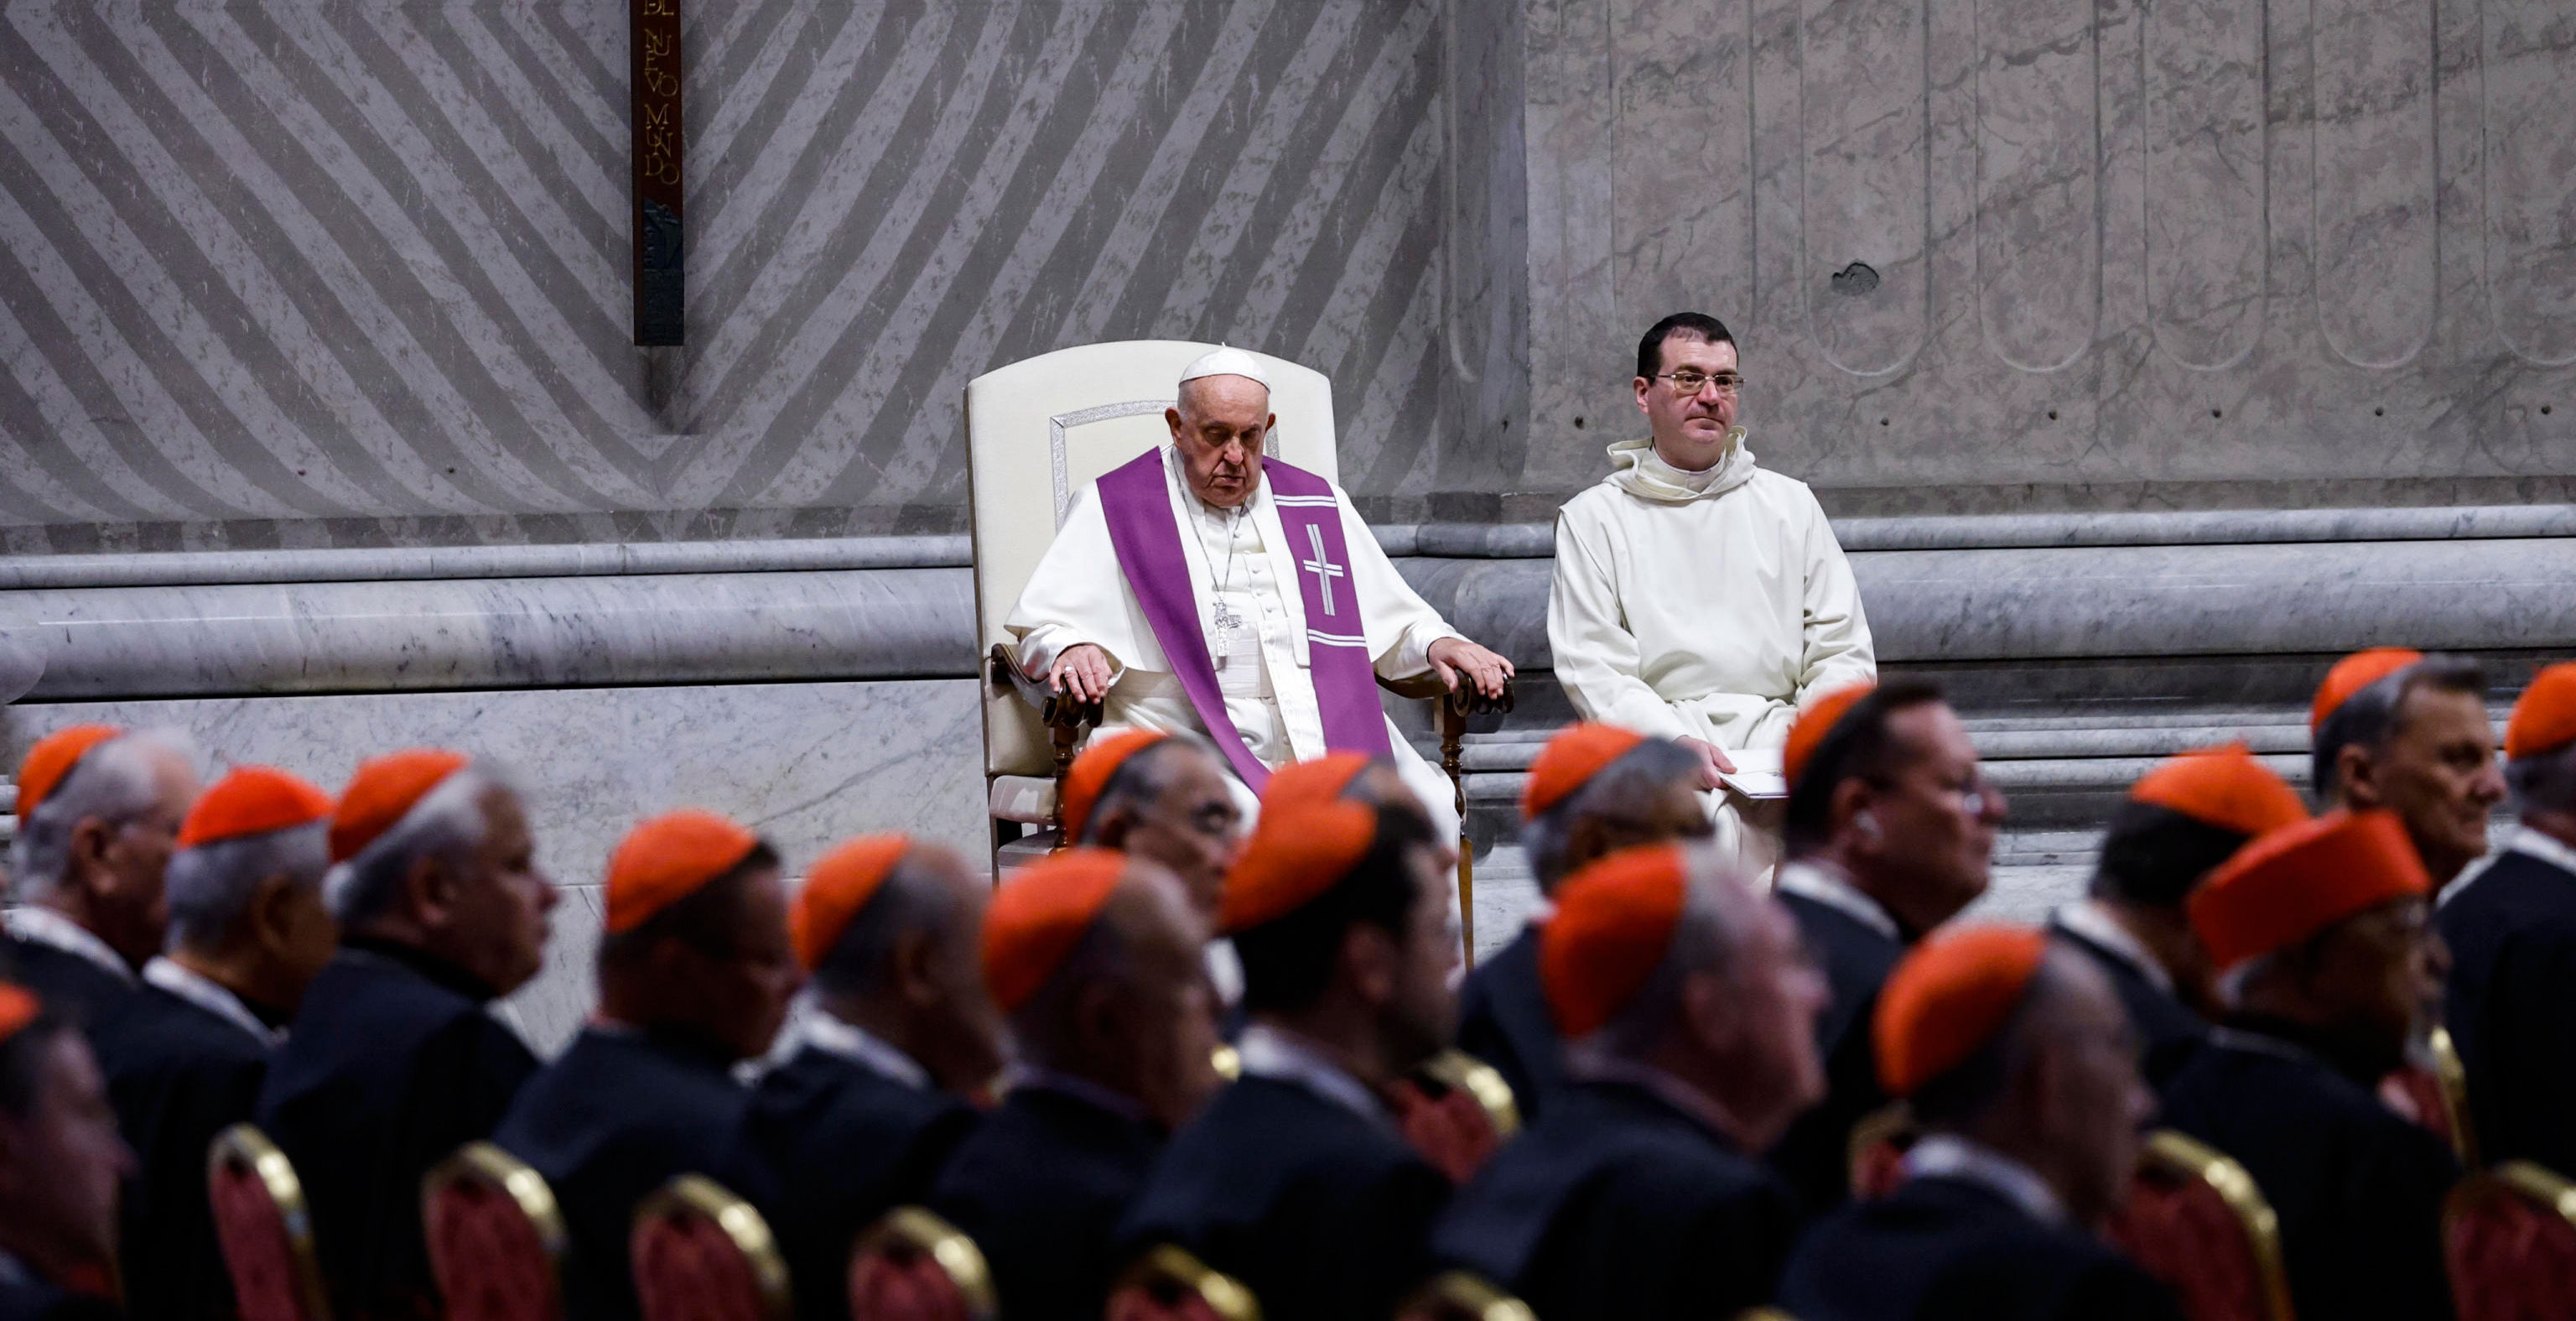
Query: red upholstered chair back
[2195, 1220]
[702, 1254]
[914, 1266]
[1463, 1296]
[495, 1237]
[2509, 1238]
[264, 1228]
[1168, 1284]
[1457, 1111]
[1877, 1150]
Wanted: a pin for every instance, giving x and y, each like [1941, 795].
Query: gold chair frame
[2515, 1178]
[2183, 1157]
[1458, 1071]
[243, 1146]
[1463, 1296]
[959, 1259]
[696, 1195]
[2452, 1079]
[1173, 1265]
[484, 1163]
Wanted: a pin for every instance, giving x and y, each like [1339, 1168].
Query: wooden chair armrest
[1053, 708]
[1466, 701]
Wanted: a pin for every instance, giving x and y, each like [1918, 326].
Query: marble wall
[1999, 254]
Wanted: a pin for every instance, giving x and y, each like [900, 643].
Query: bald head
[1130, 1008]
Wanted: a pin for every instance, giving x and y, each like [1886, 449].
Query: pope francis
[1699, 597]
[1201, 587]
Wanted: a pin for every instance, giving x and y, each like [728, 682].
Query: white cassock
[1702, 605]
[1239, 558]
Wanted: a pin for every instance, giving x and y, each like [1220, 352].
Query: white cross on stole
[1322, 566]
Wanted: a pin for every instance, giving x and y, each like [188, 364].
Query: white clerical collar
[1283, 1056]
[14, 1272]
[2548, 849]
[2095, 924]
[44, 926]
[1809, 880]
[856, 1044]
[205, 993]
[1654, 465]
[1225, 971]
[1949, 1156]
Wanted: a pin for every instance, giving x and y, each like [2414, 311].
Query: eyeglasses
[1688, 383]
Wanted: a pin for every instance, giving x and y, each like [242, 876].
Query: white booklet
[1757, 773]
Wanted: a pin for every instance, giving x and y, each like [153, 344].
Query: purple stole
[1137, 501]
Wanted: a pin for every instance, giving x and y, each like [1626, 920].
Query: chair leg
[1453, 740]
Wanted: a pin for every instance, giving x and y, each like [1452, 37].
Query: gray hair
[1630, 778]
[912, 899]
[1140, 781]
[2238, 982]
[2544, 781]
[113, 783]
[211, 885]
[1717, 907]
[446, 823]
[2369, 718]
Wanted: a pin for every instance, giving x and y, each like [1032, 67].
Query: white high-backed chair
[1037, 430]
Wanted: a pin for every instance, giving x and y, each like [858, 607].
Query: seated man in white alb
[1697, 597]
[1200, 587]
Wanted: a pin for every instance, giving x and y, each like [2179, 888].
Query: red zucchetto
[1613, 921]
[665, 860]
[837, 886]
[252, 800]
[1039, 915]
[1294, 857]
[383, 792]
[1815, 720]
[1950, 996]
[2296, 881]
[53, 758]
[2544, 718]
[1304, 783]
[2226, 787]
[1569, 761]
[2354, 673]
[1091, 773]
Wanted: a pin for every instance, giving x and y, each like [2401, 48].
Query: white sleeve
[1400, 626]
[1596, 655]
[1078, 595]
[1836, 645]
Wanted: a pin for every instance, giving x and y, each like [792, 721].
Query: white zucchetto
[1226, 361]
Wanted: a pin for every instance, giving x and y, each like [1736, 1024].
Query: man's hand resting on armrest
[1713, 760]
[1081, 670]
[1459, 660]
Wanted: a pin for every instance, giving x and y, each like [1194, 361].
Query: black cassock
[1815, 1155]
[2357, 1188]
[391, 1065]
[1503, 1019]
[71, 987]
[881, 1139]
[1942, 1248]
[1041, 1187]
[1621, 1204]
[620, 1113]
[2512, 1006]
[1323, 1213]
[178, 1075]
[2169, 1033]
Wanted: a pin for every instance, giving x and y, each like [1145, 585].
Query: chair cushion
[898, 1282]
[2186, 1235]
[490, 1263]
[2511, 1260]
[1028, 799]
[259, 1248]
[686, 1269]
[1450, 1130]
[1141, 1302]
